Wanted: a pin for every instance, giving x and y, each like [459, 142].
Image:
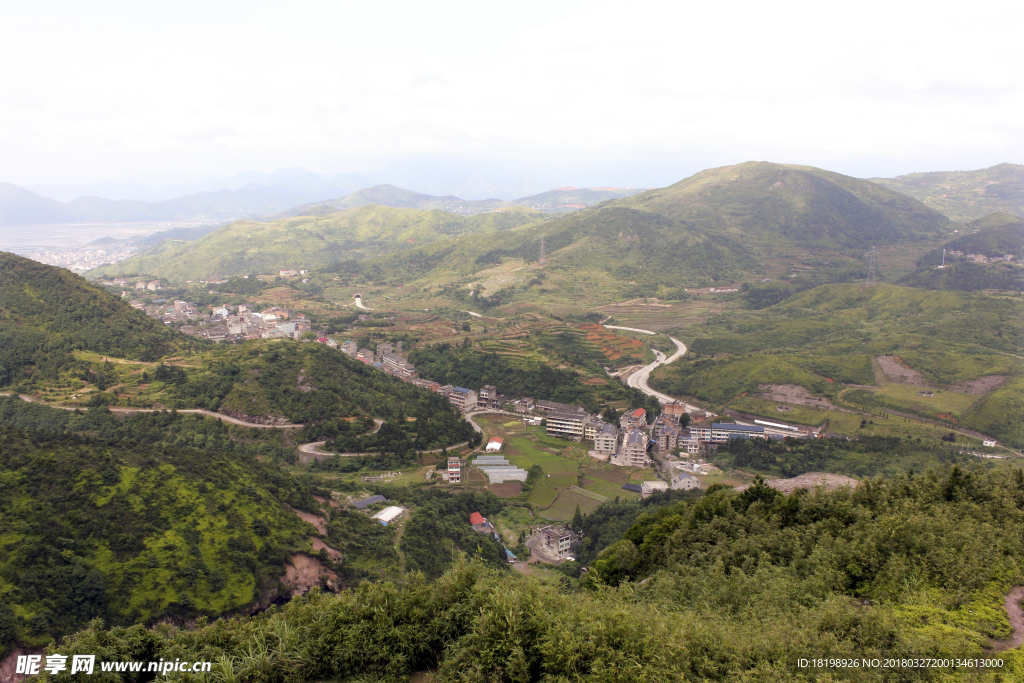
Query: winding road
[638, 380]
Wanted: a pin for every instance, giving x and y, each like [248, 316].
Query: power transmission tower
[871, 281]
[541, 262]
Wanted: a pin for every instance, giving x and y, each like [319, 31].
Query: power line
[871, 280]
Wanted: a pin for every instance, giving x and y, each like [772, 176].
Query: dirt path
[198, 411]
[1016, 616]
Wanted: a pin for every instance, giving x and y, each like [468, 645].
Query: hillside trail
[196, 411]
[1016, 615]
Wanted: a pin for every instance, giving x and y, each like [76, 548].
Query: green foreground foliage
[866, 456]
[130, 532]
[742, 585]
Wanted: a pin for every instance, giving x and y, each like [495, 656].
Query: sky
[637, 94]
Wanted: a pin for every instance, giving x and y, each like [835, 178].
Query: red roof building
[476, 518]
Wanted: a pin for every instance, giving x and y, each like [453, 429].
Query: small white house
[494, 445]
[988, 442]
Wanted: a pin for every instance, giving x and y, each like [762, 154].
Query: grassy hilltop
[802, 204]
[965, 195]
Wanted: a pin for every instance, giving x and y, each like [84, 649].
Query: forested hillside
[129, 532]
[741, 586]
[47, 312]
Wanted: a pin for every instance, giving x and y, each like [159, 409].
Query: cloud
[103, 90]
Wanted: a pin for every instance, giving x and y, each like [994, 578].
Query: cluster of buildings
[227, 324]
[629, 442]
[82, 259]
[982, 258]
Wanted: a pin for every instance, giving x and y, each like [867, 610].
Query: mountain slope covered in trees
[47, 312]
[130, 532]
[832, 335]
[740, 586]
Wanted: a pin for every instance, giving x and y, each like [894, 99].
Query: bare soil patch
[899, 373]
[1016, 617]
[333, 503]
[809, 481]
[980, 386]
[319, 545]
[793, 394]
[507, 490]
[304, 573]
[315, 520]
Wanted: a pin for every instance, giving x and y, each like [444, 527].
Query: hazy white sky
[626, 93]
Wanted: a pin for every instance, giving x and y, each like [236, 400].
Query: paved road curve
[638, 380]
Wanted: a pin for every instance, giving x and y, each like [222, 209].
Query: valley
[323, 398]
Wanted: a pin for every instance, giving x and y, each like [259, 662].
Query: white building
[389, 514]
[607, 440]
[685, 482]
[634, 449]
[649, 487]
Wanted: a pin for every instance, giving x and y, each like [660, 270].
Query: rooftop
[367, 502]
[737, 428]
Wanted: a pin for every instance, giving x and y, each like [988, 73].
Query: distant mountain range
[276, 197]
[960, 195]
[561, 200]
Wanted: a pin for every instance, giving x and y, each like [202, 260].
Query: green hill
[308, 242]
[805, 205]
[995, 235]
[718, 226]
[968, 277]
[825, 337]
[965, 195]
[46, 313]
